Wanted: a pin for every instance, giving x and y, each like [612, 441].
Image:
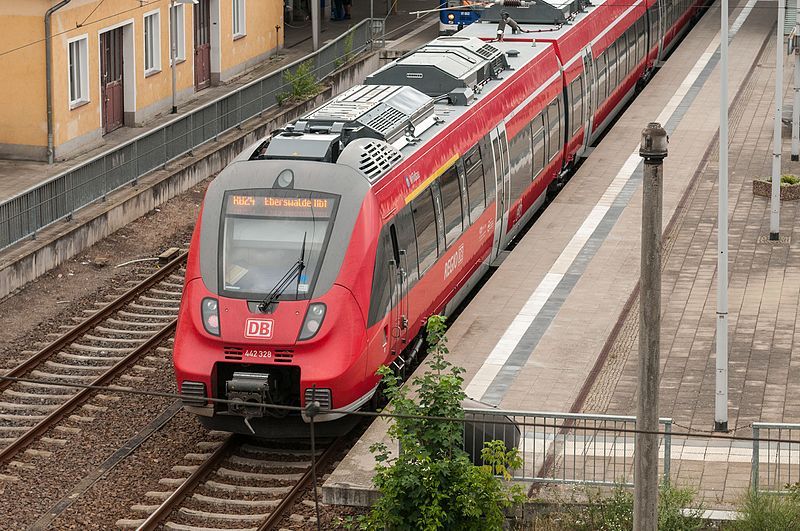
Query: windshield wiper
[293, 272]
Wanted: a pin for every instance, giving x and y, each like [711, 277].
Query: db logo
[260, 328]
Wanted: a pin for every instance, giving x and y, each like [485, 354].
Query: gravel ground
[37, 309]
[111, 498]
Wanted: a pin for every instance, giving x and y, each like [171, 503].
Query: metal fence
[566, 447]
[58, 197]
[776, 456]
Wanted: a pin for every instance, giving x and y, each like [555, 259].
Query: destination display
[277, 206]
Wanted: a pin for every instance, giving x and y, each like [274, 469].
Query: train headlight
[313, 321]
[209, 309]
[451, 17]
[285, 179]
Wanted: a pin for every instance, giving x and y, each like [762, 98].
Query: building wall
[23, 126]
[261, 37]
[23, 115]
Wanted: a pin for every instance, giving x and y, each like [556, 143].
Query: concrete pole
[315, 24]
[721, 392]
[796, 104]
[645, 477]
[775, 201]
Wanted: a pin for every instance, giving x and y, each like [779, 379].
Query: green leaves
[432, 484]
[302, 83]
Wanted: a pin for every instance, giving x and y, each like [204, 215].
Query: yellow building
[111, 63]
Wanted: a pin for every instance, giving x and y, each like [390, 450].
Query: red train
[321, 250]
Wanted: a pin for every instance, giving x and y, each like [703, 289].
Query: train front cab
[252, 328]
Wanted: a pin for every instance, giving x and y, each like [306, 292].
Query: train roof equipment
[534, 12]
[453, 67]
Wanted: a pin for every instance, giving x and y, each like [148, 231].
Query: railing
[776, 456]
[59, 196]
[566, 447]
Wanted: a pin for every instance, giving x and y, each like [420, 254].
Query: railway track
[233, 482]
[94, 352]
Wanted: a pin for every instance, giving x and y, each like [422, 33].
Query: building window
[152, 43]
[176, 28]
[239, 28]
[78, 72]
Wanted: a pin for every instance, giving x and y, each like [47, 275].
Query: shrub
[432, 484]
[760, 511]
[615, 512]
[302, 83]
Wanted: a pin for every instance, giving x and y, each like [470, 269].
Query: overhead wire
[566, 424]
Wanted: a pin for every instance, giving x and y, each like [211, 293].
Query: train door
[202, 44]
[660, 13]
[398, 287]
[111, 76]
[590, 95]
[498, 143]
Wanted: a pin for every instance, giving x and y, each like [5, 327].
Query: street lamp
[173, 44]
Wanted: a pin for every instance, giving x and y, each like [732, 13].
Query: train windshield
[265, 233]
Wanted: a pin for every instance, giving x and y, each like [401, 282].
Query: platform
[555, 328]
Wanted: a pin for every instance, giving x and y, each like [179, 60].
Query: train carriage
[321, 250]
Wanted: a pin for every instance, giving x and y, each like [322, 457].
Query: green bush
[302, 83]
[432, 484]
[762, 511]
[615, 512]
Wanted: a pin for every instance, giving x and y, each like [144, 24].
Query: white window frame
[177, 13]
[239, 19]
[152, 42]
[82, 45]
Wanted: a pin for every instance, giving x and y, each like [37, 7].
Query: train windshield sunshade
[267, 234]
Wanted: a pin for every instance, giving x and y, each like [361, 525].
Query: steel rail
[178, 495]
[93, 320]
[277, 515]
[64, 409]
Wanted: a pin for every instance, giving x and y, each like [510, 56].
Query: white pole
[315, 24]
[775, 201]
[721, 398]
[796, 104]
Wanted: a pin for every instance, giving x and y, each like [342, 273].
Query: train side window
[641, 45]
[436, 191]
[537, 145]
[556, 140]
[406, 241]
[381, 294]
[462, 181]
[601, 67]
[451, 203]
[653, 14]
[576, 90]
[425, 229]
[613, 82]
[519, 148]
[488, 169]
[622, 58]
[477, 199]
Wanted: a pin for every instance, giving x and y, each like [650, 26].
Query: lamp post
[173, 45]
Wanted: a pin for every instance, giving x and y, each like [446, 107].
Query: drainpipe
[48, 58]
